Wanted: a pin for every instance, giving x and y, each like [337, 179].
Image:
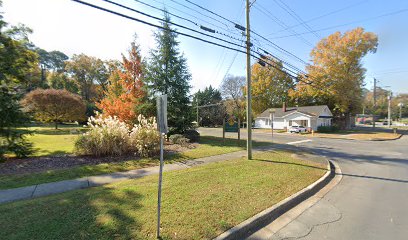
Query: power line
[193, 16]
[186, 19]
[266, 42]
[268, 14]
[291, 12]
[192, 9]
[237, 25]
[345, 24]
[229, 67]
[322, 16]
[157, 26]
[171, 14]
[239, 16]
[203, 8]
[186, 35]
[175, 24]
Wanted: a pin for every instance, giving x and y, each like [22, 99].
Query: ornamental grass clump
[107, 136]
[144, 137]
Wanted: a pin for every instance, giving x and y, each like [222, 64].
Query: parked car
[297, 129]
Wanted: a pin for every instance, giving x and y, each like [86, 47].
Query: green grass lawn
[198, 203]
[48, 141]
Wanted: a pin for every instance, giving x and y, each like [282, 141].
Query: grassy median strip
[209, 146]
[198, 203]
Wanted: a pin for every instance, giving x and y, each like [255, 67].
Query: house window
[303, 123]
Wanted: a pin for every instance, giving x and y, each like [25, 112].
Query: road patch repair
[266, 223]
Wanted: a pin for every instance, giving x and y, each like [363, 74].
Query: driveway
[370, 202]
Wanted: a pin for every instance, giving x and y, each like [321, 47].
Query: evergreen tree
[211, 115]
[16, 62]
[167, 73]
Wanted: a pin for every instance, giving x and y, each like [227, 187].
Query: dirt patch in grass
[41, 164]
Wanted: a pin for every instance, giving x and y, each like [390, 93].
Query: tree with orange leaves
[125, 93]
[336, 76]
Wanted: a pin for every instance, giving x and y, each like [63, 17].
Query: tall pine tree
[168, 73]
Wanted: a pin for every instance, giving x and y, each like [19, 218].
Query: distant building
[310, 117]
[364, 119]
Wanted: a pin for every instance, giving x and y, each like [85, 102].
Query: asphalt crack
[314, 226]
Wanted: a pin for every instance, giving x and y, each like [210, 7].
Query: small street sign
[162, 113]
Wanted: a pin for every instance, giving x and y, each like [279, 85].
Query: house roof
[308, 110]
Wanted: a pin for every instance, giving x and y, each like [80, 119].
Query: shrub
[179, 139]
[327, 129]
[12, 140]
[175, 137]
[183, 141]
[144, 137]
[192, 135]
[107, 136]
[52, 105]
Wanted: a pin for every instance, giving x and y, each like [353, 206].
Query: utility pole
[374, 98]
[248, 88]
[198, 124]
[389, 109]
[272, 118]
[400, 105]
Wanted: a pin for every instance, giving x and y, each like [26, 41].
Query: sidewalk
[15, 194]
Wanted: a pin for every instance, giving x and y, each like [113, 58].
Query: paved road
[370, 202]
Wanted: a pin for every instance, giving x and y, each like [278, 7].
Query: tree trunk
[347, 121]
[56, 125]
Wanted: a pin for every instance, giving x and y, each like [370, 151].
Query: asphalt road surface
[370, 202]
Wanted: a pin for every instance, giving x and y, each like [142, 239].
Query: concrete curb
[366, 140]
[382, 140]
[261, 219]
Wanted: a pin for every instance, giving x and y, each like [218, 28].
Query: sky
[73, 28]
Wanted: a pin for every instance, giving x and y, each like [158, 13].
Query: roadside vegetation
[55, 159]
[198, 203]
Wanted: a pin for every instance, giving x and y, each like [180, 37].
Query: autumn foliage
[126, 89]
[270, 85]
[52, 105]
[336, 76]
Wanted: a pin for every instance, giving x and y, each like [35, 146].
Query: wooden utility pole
[248, 88]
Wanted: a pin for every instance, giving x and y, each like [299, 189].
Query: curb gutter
[263, 218]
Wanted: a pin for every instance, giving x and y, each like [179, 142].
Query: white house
[307, 116]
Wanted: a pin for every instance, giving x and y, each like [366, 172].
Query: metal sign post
[162, 127]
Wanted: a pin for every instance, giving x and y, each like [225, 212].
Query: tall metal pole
[160, 185]
[248, 88]
[389, 109]
[374, 98]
